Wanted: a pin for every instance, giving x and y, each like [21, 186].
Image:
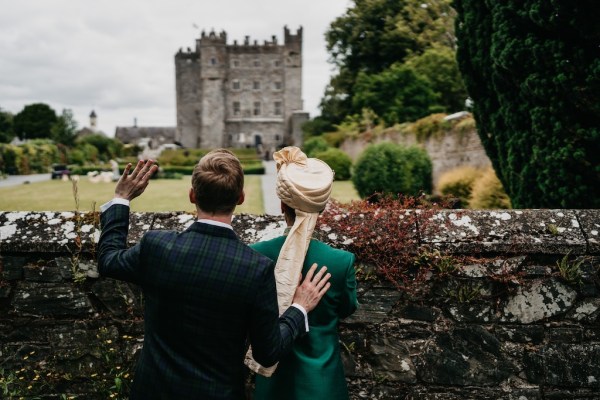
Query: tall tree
[34, 121]
[533, 71]
[375, 34]
[438, 66]
[64, 130]
[396, 94]
[6, 126]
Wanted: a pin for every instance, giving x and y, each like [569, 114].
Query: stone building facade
[241, 94]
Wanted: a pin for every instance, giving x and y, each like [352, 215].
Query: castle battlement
[243, 94]
[291, 38]
[213, 37]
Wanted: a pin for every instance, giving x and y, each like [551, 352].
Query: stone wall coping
[480, 232]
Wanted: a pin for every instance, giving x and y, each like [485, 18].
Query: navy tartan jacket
[205, 294]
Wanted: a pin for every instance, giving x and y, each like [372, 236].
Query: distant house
[146, 137]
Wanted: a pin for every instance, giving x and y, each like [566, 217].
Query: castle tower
[93, 120]
[240, 95]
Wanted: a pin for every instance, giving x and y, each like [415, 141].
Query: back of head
[218, 182]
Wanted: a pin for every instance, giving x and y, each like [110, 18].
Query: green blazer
[314, 370]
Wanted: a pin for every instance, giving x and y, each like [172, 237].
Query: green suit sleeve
[349, 303]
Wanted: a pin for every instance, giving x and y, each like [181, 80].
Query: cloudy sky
[116, 56]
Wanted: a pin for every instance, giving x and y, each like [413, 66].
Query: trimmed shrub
[190, 157]
[249, 169]
[339, 161]
[315, 145]
[488, 192]
[37, 156]
[459, 182]
[394, 169]
[9, 159]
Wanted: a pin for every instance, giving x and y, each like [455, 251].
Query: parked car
[59, 170]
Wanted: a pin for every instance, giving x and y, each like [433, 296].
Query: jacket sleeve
[114, 259]
[349, 303]
[271, 338]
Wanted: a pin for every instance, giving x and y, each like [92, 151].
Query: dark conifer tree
[532, 69]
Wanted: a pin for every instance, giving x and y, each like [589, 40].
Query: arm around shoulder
[272, 336]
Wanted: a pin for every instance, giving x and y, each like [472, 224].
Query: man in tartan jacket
[206, 293]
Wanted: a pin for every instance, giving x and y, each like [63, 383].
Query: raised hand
[312, 289]
[131, 186]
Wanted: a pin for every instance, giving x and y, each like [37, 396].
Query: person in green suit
[313, 370]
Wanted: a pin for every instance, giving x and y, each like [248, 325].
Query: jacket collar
[212, 230]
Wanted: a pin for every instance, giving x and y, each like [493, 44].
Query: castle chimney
[135, 122]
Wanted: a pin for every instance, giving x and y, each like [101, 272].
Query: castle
[241, 94]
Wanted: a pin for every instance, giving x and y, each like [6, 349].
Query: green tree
[437, 65]
[375, 34]
[65, 128]
[396, 95]
[34, 121]
[533, 72]
[394, 169]
[107, 147]
[6, 127]
[316, 127]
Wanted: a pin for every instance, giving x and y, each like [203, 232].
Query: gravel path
[271, 201]
[14, 180]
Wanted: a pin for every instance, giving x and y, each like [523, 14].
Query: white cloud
[116, 57]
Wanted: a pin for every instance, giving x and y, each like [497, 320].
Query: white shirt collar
[215, 223]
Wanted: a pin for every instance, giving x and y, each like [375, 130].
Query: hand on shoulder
[311, 290]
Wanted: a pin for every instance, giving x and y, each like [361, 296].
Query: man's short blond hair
[218, 182]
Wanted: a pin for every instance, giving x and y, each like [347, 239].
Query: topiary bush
[339, 161]
[314, 145]
[459, 182]
[488, 192]
[392, 168]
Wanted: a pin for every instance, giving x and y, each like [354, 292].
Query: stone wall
[504, 323]
[447, 149]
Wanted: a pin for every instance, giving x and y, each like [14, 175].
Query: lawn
[344, 192]
[161, 195]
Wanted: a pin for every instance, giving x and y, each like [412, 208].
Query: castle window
[277, 85]
[213, 61]
[256, 85]
[278, 109]
[277, 63]
[235, 63]
[277, 138]
[257, 108]
[256, 63]
[235, 85]
[236, 108]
